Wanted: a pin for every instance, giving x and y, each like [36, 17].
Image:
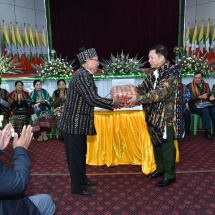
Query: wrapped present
[124, 92]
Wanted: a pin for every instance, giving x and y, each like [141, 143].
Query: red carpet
[124, 189]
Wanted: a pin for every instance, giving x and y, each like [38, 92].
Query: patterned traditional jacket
[159, 103]
[204, 88]
[82, 97]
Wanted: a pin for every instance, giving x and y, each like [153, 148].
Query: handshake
[124, 96]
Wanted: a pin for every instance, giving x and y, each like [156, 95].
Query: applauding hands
[5, 136]
[23, 141]
[25, 138]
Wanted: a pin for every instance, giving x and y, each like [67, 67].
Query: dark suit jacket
[13, 183]
[82, 97]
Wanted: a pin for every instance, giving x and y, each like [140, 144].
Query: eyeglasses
[95, 60]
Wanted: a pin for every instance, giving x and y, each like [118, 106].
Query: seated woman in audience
[58, 99]
[39, 99]
[4, 105]
[20, 113]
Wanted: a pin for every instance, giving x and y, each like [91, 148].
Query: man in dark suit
[13, 181]
[77, 119]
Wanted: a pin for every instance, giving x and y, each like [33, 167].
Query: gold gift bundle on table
[124, 92]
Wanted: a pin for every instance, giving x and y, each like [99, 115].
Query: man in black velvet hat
[78, 118]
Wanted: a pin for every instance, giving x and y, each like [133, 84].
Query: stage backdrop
[113, 25]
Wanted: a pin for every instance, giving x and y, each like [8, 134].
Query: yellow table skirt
[122, 138]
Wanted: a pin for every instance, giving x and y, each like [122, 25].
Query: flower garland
[122, 65]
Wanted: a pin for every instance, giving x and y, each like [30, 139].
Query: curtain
[111, 26]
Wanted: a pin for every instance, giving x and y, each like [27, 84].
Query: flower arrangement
[8, 65]
[180, 52]
[192, 64]
[122, 65]
[55, 68]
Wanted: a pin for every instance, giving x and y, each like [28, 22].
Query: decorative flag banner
[38, 46]
[201, 40]
[6, 42]
[33, 48]
[27, 50]
[208, 37]
[13, 42]
[195, 42]
[20, 48]
[188, 40]
[44, 47]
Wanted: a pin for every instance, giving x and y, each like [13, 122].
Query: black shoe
[166, 182]
[208, 136]
[154, 175]
[187, 137]
[90, 183]
[84, 191]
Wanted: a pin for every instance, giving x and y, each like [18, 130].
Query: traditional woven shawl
[155, 111]
[178, 110]
[196, 91]
[11, 96]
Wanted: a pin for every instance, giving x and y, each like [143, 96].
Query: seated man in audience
[14, 181]
[200, 103]
[186, 113]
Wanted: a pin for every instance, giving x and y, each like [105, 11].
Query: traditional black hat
[86, 54]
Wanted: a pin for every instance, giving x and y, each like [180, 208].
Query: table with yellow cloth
[122, 138]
